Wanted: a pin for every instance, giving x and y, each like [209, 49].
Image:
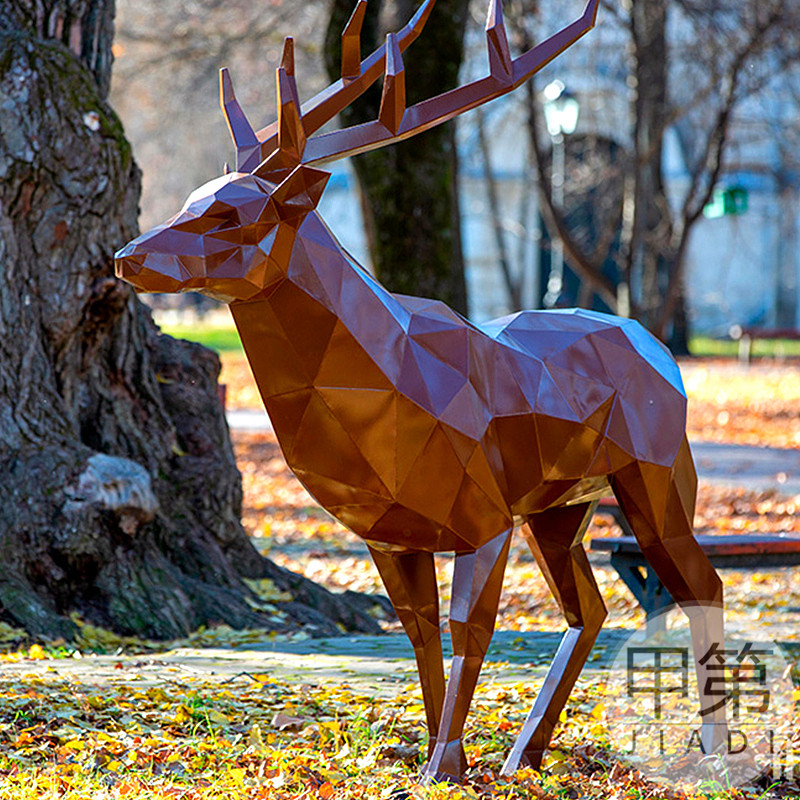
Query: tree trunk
[409, 190]
[651, 231]
[119, 494]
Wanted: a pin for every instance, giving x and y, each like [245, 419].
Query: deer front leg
[477, 581]
[410, 581]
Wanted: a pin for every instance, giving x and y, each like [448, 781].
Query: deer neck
[326, 323]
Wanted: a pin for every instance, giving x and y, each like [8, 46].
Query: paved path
[374, 663]
[756, 468]
[752, 467]
[248, 420]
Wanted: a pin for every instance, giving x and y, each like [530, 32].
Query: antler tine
[351, 42]
[416, 23]
[505, 75]
[287, 56]
[537, 57]
[287, 65]
[329, 102]
[242, 133]
[291, 136]
[500, 63]
[393, 100]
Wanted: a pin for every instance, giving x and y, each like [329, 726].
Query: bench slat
[756, 544]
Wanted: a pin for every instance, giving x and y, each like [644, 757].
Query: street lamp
[561, 116]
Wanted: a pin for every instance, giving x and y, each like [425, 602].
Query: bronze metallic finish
[422, 432]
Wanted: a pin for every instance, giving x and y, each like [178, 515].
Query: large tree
[410, 190]
[119, 495]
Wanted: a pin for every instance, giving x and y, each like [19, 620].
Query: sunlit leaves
[253, 737]
[756, 405]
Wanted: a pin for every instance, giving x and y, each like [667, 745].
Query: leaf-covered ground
[254, 736]
[727, 403]
[251, 736]
[732, 403]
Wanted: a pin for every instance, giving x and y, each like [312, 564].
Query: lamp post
[561, 116]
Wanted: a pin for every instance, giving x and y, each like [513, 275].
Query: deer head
[233, 236]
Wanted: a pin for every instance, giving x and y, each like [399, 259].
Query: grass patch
[705, 346]
[221, 339]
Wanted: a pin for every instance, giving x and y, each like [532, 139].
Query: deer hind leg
[477, 581]
[410, 581]
[554, 537]
[659, 505]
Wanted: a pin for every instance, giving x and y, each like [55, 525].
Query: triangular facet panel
[370, 417]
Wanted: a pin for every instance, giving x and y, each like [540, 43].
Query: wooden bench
[746, 335]
[736, 551]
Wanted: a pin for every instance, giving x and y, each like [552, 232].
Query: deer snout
[147, 272]
[161, 260]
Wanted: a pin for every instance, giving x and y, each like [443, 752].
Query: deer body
[396, 387]
[422, 432]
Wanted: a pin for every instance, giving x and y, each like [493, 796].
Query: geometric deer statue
[420, 431]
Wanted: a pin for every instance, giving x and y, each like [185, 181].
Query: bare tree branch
[512, 285]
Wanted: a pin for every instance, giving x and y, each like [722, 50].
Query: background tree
[693, 67]
[410, 190]
[119, 496]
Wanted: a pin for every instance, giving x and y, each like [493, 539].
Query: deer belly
[398, 480]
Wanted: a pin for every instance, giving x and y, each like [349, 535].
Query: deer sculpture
[422, 432]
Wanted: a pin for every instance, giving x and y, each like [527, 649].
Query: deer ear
[300, 192]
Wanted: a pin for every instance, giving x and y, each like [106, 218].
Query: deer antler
[242, 133]
[357, 77]
[396, 122]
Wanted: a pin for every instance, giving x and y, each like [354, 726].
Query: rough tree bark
[651, 254]
[119, 495]
[409, 190]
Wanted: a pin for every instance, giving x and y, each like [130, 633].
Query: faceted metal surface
[420, 431]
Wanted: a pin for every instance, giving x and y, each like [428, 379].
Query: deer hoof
[525, 758]
[447, 764]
